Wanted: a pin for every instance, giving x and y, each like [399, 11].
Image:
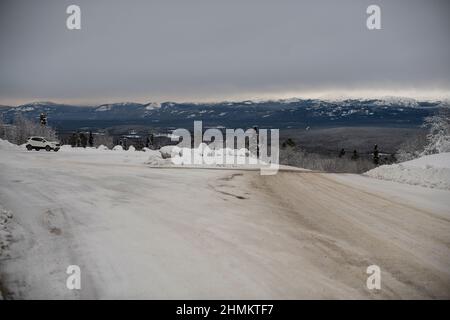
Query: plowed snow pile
[431, 171]
[5, 145]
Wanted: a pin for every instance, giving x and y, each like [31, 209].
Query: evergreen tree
[355, 155]
[91, 139]
[43, 119]
[77, 135]
[125, 144]
[83, 140]
[376, 155]
[73, 140]
[290, 142]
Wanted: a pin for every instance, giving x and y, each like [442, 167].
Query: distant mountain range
[289, 113]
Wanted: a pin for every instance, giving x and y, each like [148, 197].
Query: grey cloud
[207, 49]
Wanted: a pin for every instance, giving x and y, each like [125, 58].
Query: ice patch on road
[432, 171]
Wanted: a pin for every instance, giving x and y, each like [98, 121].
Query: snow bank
[6, 145]
[66, 147]
[5, 234]
[155, 158]
[167, 151]
[69, 148]
[205, 157]
[431, 171]
[102, 147]
[440, 160]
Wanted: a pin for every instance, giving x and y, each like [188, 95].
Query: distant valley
[282, 114]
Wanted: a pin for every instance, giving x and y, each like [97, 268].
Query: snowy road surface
[140, 232]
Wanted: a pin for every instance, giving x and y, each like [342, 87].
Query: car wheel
[47, 148]
[29, 147]
[56, 150]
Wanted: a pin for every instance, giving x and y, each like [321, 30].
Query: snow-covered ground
[137, 231]
[431, 171]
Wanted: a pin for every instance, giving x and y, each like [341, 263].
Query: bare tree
[411, 148]
[7, 131]
[299, 158]
[24, 128]
[438, 138]
[103, 139]
[2, 129]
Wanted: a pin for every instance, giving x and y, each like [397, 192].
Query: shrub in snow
[313, 161]
[118, 148]
[131, 148]
[104, 139]
[102, 147]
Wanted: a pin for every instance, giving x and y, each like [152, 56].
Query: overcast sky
[206, 50]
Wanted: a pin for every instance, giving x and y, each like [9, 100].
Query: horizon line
[332, 95]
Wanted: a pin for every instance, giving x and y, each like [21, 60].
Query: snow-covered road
[140, 232]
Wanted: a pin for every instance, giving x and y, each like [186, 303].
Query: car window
[36, 139]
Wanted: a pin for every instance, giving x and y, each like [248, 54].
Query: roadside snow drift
[6, 145]
[5, 233]
[431, 171]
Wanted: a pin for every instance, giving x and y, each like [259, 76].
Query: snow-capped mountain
[286, 113]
